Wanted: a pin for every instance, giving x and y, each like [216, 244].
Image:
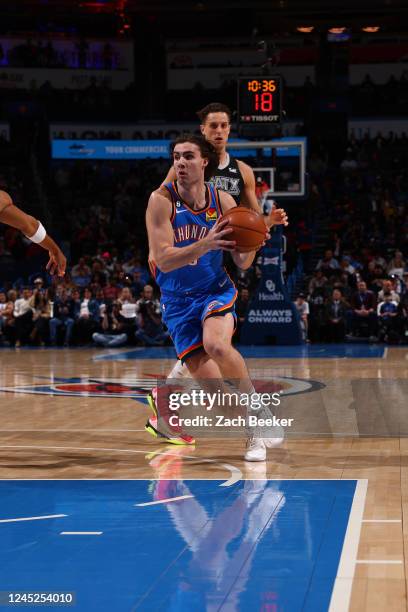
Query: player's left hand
[57, 263]
[277, 216]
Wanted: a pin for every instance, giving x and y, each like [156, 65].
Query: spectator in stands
[397, 264]
[328, 264]
[387, 288]
[23, 317]
[41, 307]
[87, 317]
[112, 334]
[81, 273]
[39, 284]
[388, 319]
[303, 309]
[9, 331]
[63, 315]
[137, 283]
[336, 312]
[98, 277]
[151, 331]
[363, 312]
[127, 312]
[111, 289]
[376, 277]
[317, 281]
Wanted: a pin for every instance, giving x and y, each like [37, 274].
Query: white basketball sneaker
[278, 437]
[256, 449]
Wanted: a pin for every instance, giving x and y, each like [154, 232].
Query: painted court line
[32, 518]
[382, 521]
[81, 532]
[341, 595]
[379, 561]
[165, 501]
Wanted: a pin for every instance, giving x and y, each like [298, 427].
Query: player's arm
[161, 238]
[248, 196]
[277, 216]
[34, 230]
[241, 260]
[171, 176]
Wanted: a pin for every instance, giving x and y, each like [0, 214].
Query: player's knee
[216, 349]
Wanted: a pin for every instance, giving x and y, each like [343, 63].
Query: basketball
[249, 229]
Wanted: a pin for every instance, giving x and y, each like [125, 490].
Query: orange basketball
[249, 229]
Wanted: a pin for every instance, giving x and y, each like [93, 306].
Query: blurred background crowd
[81, 66]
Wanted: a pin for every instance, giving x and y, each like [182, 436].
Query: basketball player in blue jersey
[187, 235]
[231, 175]
[34, 231]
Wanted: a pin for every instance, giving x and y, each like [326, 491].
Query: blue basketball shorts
[185, 315]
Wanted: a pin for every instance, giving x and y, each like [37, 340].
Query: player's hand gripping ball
[249, 229]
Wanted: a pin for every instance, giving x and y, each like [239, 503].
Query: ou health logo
[270, 285]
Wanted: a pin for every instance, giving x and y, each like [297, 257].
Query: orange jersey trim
[195, 212]
[223, 307]
[189, 349]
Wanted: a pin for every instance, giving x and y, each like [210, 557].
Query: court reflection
[221, 533]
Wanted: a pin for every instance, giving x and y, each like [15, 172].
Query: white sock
[179, 370]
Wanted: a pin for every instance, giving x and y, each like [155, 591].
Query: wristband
[39, 235]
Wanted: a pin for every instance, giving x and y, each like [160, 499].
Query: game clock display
[259, 99]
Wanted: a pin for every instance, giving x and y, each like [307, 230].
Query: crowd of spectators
[359, 287]
[45, 54]
[63, 314]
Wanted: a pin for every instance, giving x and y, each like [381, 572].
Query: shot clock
[259, 99]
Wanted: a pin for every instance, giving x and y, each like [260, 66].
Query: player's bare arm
[29, 226]
[248, 196]
[161, 238]
[241, 260]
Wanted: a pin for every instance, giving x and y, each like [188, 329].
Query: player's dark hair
[214, 107]
[206, 149]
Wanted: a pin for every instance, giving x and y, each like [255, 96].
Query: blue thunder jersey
[206, 273]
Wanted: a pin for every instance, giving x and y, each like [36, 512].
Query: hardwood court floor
[66, 415]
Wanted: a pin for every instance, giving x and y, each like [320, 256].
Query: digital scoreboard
[259, 99]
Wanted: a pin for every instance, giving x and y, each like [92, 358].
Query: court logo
[136, 389]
